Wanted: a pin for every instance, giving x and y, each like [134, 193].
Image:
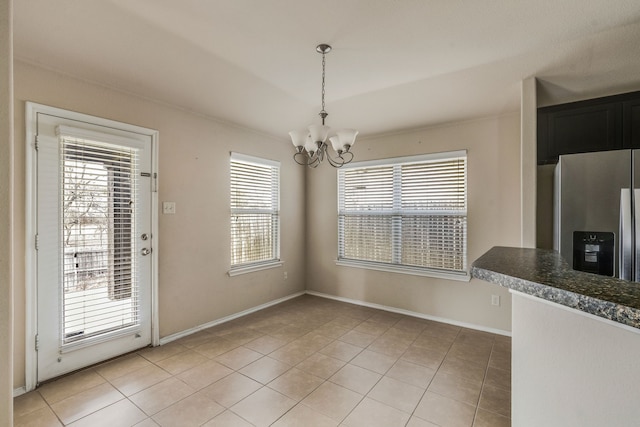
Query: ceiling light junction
[311, 143]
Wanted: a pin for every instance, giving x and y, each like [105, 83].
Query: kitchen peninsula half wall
[575, 340]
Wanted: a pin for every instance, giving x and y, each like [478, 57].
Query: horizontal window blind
[367, 237]
[369, 189]
[410, 212]
[99, 188]
[255, 211]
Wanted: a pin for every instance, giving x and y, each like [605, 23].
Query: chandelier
[310, 143]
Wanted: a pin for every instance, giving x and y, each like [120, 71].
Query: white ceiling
[395, 64]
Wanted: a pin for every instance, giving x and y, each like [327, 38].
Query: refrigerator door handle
[625, 236]
[636, 231]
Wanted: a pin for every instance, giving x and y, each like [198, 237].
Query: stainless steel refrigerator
[596, 198]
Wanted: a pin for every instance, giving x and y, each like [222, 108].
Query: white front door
[94, 242]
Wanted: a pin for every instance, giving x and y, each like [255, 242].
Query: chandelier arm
[315, 163]
[345, 159]
[334, 163]
[337, 161]
[304, 156]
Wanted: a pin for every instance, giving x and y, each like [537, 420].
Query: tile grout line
[435, 372]
[484, 378]
[365, 395]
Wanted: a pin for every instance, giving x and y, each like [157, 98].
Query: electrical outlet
[495, 300]
[285, 275]
[168, 208]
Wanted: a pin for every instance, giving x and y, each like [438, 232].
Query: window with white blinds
[99, 188]
[255, 213]
[407, 214]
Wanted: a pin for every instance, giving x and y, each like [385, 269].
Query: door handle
[625, 252]
[145, 251]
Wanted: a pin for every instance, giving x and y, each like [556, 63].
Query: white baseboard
[165, 340]
[187, 332]
[412, 313]
[178, 335]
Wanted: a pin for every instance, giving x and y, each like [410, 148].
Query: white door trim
[31, 301]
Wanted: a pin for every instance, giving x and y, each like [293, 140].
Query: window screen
[255, 211]
[409, 212]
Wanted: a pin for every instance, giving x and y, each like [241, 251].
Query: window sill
[254, 267]
[402, 269]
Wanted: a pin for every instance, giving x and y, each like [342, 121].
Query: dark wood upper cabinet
[631, 124]
[584, 129]
[601, 124]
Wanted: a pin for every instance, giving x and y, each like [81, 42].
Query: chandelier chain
[323, 74]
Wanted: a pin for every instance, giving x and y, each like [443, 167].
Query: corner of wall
[528, 160]
[6, 209]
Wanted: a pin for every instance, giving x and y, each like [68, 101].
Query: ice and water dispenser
[593, 252]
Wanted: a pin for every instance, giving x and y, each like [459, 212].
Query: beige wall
[494, 218]
[194, 254]
[6, 200]
[194, 287]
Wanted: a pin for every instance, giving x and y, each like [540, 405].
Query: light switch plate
[168, 208]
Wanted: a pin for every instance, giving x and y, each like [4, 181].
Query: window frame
[395, 266]
[248, 267]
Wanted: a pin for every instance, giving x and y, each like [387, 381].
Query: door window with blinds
[406, 215]
[255, 213]
[99, 187]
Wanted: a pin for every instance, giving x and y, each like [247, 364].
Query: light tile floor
[309, 361]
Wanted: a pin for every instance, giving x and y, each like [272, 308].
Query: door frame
[31, 291]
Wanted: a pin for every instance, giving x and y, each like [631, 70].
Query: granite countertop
[545, 274]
